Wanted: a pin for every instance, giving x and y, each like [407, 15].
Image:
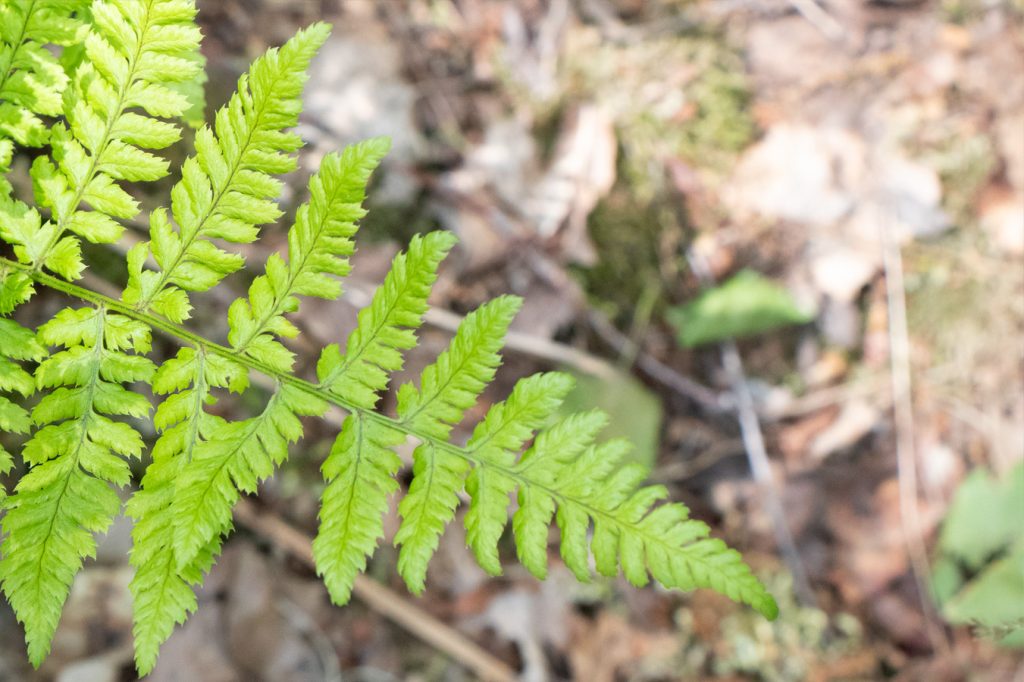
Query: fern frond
[319, 243]
[589, 483]
[451, 385]
[31, 78]
[497, 440]
[227, 189]
[563, 442]
[78, 451]
[132, 51]
[360, 474]
[135, 69]
[235, 457]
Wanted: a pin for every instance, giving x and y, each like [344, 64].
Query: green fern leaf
[318, 246]
[163, 594]
[227, 188]
[448, 388]
[132, 50]
[134, 65]
[235, 457]
[386, 326]
[562, 442]
[497, 440]
[16, 343]
[360, 474]
[361, 467]
[429, 506]
[595, 486]
[319, 242]
[65, 496]
[451, 385]
[31, 79]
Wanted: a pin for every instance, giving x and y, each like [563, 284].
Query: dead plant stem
[903, 414]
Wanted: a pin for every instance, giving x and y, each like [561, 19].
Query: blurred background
[780, 241]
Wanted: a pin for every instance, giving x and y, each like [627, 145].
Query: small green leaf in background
[987, 514]
[635, 411]
[984, 522]
[994, 599]
[746, 305]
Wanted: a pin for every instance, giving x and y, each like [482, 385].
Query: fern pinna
[128, 79]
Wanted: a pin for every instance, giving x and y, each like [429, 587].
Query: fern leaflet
[31, 78]
[132, 51]
[65, 496]
[226, 189]
[447, 389]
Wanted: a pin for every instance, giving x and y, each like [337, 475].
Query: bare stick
[659, 371]
[820, 19]
[903, 413]
[381, 599]
[757, 454]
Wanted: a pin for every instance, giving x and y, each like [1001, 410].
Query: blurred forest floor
[607, 160]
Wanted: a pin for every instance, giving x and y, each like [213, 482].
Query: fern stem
[177, 331]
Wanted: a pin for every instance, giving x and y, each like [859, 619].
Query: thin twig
[875, 385]
[903, 413]
[820, 19]
[757, 454]
[381, 599]
[708, 399]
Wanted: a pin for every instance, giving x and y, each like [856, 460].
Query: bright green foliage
[174, 541]
[18, 344]
[746, 305]
[142, 56]
[235, 457]
[318, 246]
[226, 189]
[361, 467]
[360, 475]
[203, 480]
[162, 591]
[448, 388]
[497, 440]
[591, 483]
[133, 50]
[77, 452]
[31, 78]
[386, 325]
